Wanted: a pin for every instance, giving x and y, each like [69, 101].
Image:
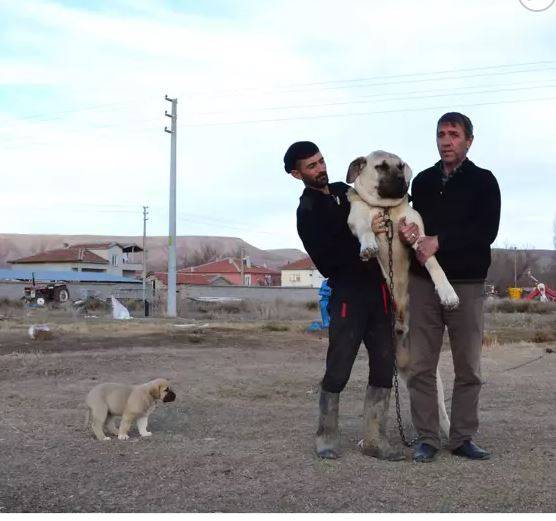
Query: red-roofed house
[112, 258]
[193, 279]
[301, 273]
[231, 269]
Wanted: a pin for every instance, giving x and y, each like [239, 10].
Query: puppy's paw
[106, 438]
[123, 437]
[448, 297]
[146, 434]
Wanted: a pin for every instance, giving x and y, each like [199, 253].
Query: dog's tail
[87, 418]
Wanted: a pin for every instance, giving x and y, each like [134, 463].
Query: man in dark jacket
[460, 206]
[359, 305]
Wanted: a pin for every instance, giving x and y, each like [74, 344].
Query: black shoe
[424, 452]
[471, 451]
[328, 454]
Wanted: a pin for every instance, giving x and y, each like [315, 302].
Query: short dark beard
[319, 182]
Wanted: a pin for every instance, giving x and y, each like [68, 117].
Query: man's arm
[322, 241]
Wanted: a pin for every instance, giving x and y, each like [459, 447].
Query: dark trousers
[359, 313]
[465, 328]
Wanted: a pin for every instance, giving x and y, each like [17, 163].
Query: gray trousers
[465, 328]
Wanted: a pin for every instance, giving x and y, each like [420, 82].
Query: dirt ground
[239, 437]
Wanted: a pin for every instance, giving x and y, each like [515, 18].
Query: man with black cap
[359, 305]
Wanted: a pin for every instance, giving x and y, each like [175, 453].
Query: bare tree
[206, 254]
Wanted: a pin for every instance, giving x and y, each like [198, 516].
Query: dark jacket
[323, 229]
[464, 213]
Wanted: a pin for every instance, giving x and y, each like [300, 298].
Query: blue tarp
[66, 276]
[325, 291]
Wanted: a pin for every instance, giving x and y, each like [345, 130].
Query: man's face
[312, 171]
[452, 143]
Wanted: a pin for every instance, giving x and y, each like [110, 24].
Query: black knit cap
[297, 151]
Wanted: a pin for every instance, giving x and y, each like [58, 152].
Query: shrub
[273, 326]
[542, 336]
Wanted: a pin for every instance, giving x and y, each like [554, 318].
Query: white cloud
[100, 78]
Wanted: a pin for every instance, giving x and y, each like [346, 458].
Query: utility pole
[515, 266]
[145, 300]
[171, 308]
[242, 254]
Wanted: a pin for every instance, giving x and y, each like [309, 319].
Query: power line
[250, 90]
[353, 114]
[52, 115]
[388, 97]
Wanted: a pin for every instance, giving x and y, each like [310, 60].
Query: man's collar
[314, 192]
[460, 168]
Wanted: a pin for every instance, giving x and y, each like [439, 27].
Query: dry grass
[249, 310]
[519, 306]
[543, 336]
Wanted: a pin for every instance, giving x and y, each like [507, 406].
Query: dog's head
[160, 390]
[379, 176]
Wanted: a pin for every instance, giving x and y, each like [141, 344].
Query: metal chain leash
[390, 237]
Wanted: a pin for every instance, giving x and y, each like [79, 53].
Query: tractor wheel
[40, 301]
[61, 295]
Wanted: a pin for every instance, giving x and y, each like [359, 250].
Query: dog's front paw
[448, 297]
[123, 437]
[369, 247]
[146, 434]
[106, 438]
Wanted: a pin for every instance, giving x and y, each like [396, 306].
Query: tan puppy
[130, 402]
[381, 180]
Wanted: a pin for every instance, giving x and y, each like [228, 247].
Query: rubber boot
[327, 439]
[375, 414]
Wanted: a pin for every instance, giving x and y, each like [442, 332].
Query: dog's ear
[355, 168]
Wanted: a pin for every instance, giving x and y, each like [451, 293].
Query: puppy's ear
[355, 168]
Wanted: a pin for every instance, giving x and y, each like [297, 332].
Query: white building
[111, 258]
[301, 273]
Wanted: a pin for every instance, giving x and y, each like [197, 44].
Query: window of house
[295, 277]
[114, 260]
[247, 279]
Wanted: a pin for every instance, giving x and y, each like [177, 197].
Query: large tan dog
[108, 401]
[381, 180]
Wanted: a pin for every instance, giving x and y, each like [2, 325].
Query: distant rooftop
[302, 264]
[62, 255]
[66, 276]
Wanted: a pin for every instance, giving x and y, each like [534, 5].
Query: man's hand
[378, 224]
[426, 248]
[408, 233]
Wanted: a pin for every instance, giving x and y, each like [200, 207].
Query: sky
[82, 103]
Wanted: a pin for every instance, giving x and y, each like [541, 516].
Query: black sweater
[464, 213]
[323, 229]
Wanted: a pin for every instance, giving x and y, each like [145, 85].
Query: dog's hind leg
[443, 418]
[125, 425]
[98, 414]
[111, 425]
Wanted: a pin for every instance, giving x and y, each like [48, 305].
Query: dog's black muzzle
[392, 187]
[170, 396]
